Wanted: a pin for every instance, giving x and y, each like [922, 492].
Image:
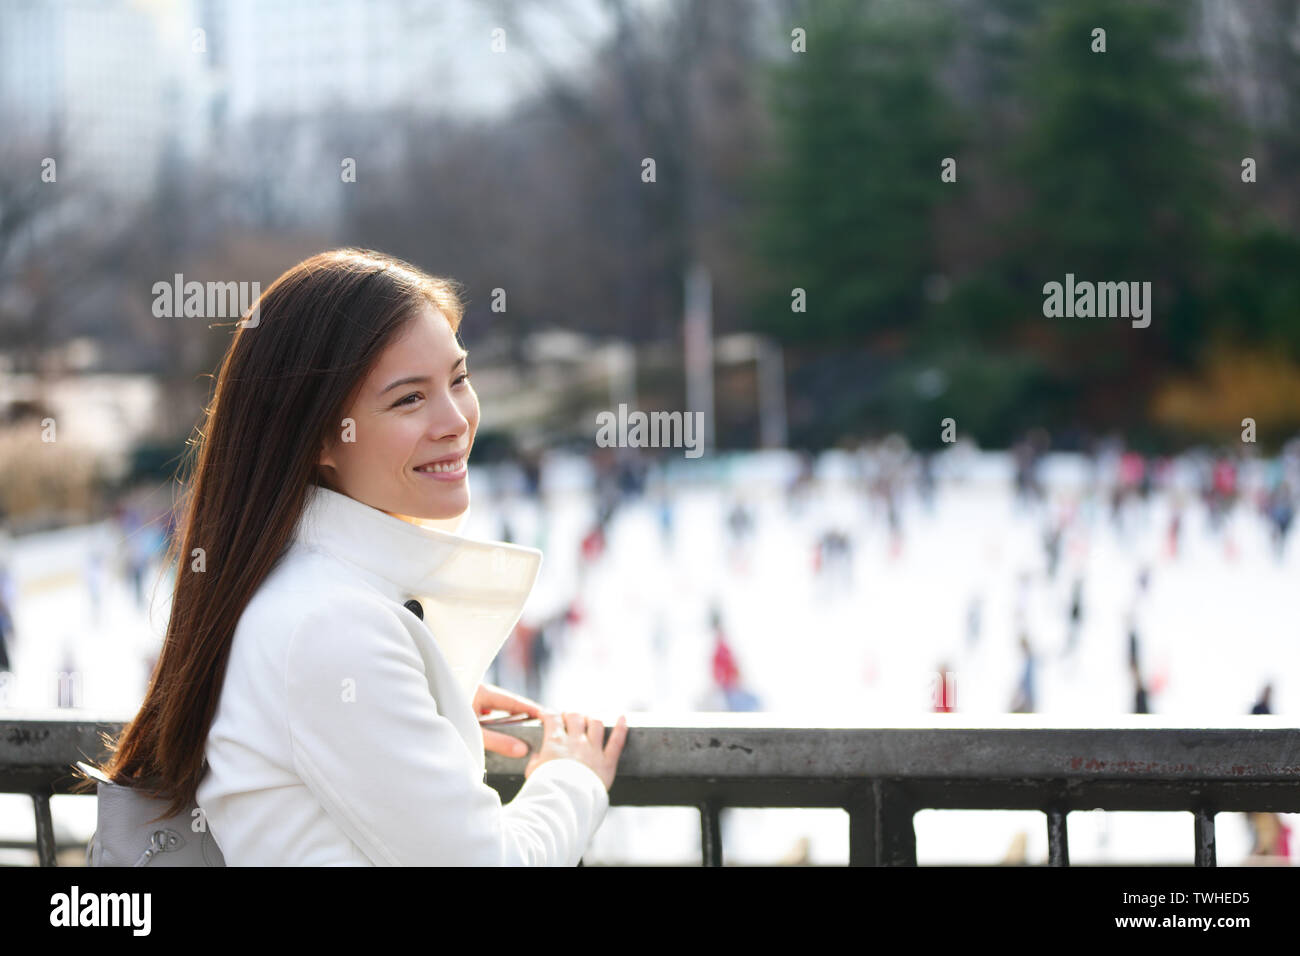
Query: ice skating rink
[963, 579]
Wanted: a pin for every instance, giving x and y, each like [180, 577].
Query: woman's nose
[450, 420]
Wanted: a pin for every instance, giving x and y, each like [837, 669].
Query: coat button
[414, 607]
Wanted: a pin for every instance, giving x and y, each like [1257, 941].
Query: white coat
[345, 733]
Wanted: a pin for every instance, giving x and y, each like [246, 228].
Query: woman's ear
[325, 470]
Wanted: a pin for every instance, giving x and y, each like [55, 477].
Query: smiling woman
[316, 698]
[404, 444]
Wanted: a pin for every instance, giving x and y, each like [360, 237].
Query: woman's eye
[405, 401]
[463, 377]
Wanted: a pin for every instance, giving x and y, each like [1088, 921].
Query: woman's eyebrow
[409, 380]
[412, 379]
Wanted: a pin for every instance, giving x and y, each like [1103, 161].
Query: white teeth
[450, 466]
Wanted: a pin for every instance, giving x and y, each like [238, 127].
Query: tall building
[101, 82]
[260, 88]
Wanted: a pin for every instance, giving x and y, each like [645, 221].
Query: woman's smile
[445, 471]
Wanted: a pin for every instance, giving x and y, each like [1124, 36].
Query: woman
[319, 685]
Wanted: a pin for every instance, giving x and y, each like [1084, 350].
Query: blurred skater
[1270, 836]
[726, 672]
[1074, 620]
[1024, 700]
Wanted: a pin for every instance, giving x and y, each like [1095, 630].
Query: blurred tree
[844, 212]
[1254, 47]
[1118, 159]
[1109, 171]
[48, 259]
[549, 203]
[1258, 290]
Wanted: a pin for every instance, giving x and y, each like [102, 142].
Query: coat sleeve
[368, 740]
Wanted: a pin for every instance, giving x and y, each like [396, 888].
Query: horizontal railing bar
[1255, 753]
[1135, 795]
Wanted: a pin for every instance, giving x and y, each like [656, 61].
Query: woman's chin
[439, 507]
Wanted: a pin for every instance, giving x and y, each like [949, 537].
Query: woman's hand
[488, 698]
[582, 738]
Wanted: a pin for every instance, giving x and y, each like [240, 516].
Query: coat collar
[472, 592]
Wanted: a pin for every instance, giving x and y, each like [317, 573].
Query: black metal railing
[880, 775]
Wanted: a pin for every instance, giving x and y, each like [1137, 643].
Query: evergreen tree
[846, 208]
[1118, 160]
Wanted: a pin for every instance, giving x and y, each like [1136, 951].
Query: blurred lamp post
[620, 367]
[699, 350]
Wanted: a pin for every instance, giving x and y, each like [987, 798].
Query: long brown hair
[281, 391]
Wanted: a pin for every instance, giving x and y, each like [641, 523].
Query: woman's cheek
[409, 436]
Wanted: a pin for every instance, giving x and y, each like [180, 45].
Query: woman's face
[416, 407]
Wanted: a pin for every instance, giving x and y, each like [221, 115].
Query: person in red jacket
[726, 672]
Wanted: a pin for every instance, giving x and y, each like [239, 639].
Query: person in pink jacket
[320, 685]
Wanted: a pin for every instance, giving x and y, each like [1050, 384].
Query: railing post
[881, 832]
[862, 827]
[45, 848]
[1058, 838]
[710, 833]
[1204, 827]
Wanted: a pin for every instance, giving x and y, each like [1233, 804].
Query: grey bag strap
[124, 835]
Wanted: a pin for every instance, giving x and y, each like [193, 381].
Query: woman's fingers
[500, 743]
[513, 703]
[577, 725]
[617, 737]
